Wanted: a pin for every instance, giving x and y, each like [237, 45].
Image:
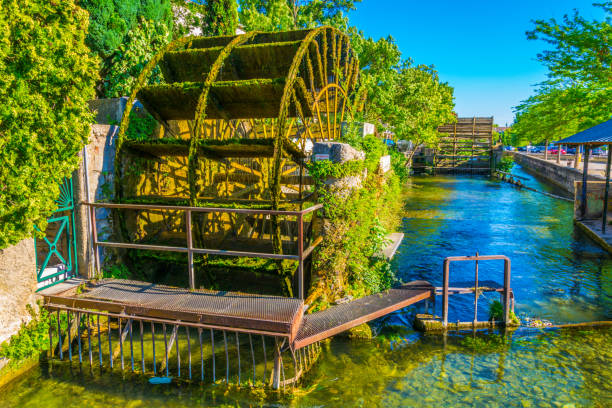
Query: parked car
[555, 150]
[571, 150]
[522, 149]
[598, 151]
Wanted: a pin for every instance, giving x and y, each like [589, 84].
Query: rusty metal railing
[446, 272]
[302, 253]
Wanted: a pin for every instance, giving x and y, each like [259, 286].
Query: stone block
[384, 165]
[336, 152]
[17, 286]
[108, 111]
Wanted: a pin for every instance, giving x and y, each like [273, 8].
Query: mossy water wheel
[238, 115]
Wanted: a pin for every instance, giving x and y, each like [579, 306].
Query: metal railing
[302, 253]
[446, 273]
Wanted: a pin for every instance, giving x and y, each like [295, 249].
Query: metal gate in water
[56, 250]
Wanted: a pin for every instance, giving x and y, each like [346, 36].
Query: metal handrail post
[445, 271]
[506, 290]
[300, 256]
[189, 249]
[94, 243]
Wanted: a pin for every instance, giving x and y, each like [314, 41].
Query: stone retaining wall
[17, 286]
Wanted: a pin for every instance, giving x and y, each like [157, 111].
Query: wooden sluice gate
[99, 321]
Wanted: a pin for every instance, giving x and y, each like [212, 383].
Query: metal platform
[268, 315]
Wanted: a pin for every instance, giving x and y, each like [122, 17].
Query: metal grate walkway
[270, 315]
[321, 325]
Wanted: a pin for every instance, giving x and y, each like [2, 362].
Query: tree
[577, 93]
[278, 15]
[117, 29]
[220, 17]
[402, 97]
[47, 76]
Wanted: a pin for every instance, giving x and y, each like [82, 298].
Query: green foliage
[506, 163]
[578, 91]
[31, 339]
[279, 15]
[496, 312]
[220, 17]
[141, 127]
[125, 34]
[348, 261]
[140, 45]
[407, 99]
[111, 20]
[325, 169]
[117, 271]
[47, 76]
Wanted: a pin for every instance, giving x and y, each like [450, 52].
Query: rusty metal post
[94, 240]
[585, 175]
[445, 292]
[300, 256]
[189, 249]
[476, 292]
[507, 290]
[276, 373]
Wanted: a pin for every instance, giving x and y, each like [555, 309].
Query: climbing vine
[349, 262]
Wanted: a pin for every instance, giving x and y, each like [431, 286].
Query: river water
[558, 274]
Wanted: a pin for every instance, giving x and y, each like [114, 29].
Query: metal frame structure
[67, 229]
[477, 258]
[190, 249]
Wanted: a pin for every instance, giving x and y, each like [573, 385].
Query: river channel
[558, 275]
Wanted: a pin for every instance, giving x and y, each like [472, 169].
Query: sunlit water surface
[557, 274]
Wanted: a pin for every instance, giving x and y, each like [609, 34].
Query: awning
[595, 136]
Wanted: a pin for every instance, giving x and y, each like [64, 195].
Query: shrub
[47, 76]
[31, 339]
[125, 34]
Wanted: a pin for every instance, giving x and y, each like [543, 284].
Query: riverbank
[561, 175]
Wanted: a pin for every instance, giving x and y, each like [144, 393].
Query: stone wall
[562, 176]
[100, 172]
[17, 286]
[596, 191]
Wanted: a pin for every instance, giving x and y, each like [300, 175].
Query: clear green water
[558, 274]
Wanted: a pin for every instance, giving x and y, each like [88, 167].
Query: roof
[597, 135]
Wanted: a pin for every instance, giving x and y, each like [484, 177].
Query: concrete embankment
[562, 176]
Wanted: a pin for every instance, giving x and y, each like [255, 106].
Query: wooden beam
[585, 176]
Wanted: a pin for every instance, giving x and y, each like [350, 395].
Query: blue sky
[478, 47]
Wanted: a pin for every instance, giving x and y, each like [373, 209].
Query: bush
[348, 261]
[111, 20]
[125, 34]
[47, 76]
[140, 45]
[31, 339]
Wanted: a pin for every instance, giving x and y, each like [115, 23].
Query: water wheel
[238, 117]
